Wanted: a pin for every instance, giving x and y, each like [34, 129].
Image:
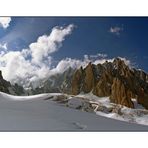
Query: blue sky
[91, 36]
[114, 36]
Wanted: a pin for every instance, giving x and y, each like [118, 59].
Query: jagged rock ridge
[114, 79]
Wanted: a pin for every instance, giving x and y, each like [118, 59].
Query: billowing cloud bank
[34, 63]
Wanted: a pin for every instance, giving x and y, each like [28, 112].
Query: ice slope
[37, 113]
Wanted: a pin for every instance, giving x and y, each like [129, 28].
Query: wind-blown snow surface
[38, 113]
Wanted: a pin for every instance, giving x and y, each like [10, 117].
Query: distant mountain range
[114, 79]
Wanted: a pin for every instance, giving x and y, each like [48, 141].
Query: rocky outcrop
[83, 80]
[77, 81]
[120, 94]
[103, 87]
[114, 79]
[89, 78]
[4, 85]
[7, 87]
[1, 77]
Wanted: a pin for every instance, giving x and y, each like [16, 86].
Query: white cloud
[96, 59]
[101, 61]
[3, 46]
[17, 67]
[46, 45]
[98, 55]
[126, 61]
[66, 63]
[35, 63]
[100, 58]
[116, 30]
[77, 63]
[5, 21]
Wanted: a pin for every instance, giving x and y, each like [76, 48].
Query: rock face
[88, 78]
[7, 87]
[120, 94]
[77, 81]
[4, 85]
[114, 79]
[103, 87]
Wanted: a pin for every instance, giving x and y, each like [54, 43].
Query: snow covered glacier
[44, 113]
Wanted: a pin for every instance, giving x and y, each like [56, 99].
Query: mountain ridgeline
[114, 79]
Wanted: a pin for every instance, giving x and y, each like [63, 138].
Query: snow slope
[138, 115]
[38, 113]
[4, 96]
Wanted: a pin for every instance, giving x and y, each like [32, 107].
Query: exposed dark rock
[89, 78]
[77, 81]
[7, 87]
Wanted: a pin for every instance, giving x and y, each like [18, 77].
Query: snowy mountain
[88, 98]
[115, 80]
[58, 112]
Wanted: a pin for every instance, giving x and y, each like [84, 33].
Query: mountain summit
[114, 79]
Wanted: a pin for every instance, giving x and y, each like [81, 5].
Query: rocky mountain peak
[114, 79]
[118, 61]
